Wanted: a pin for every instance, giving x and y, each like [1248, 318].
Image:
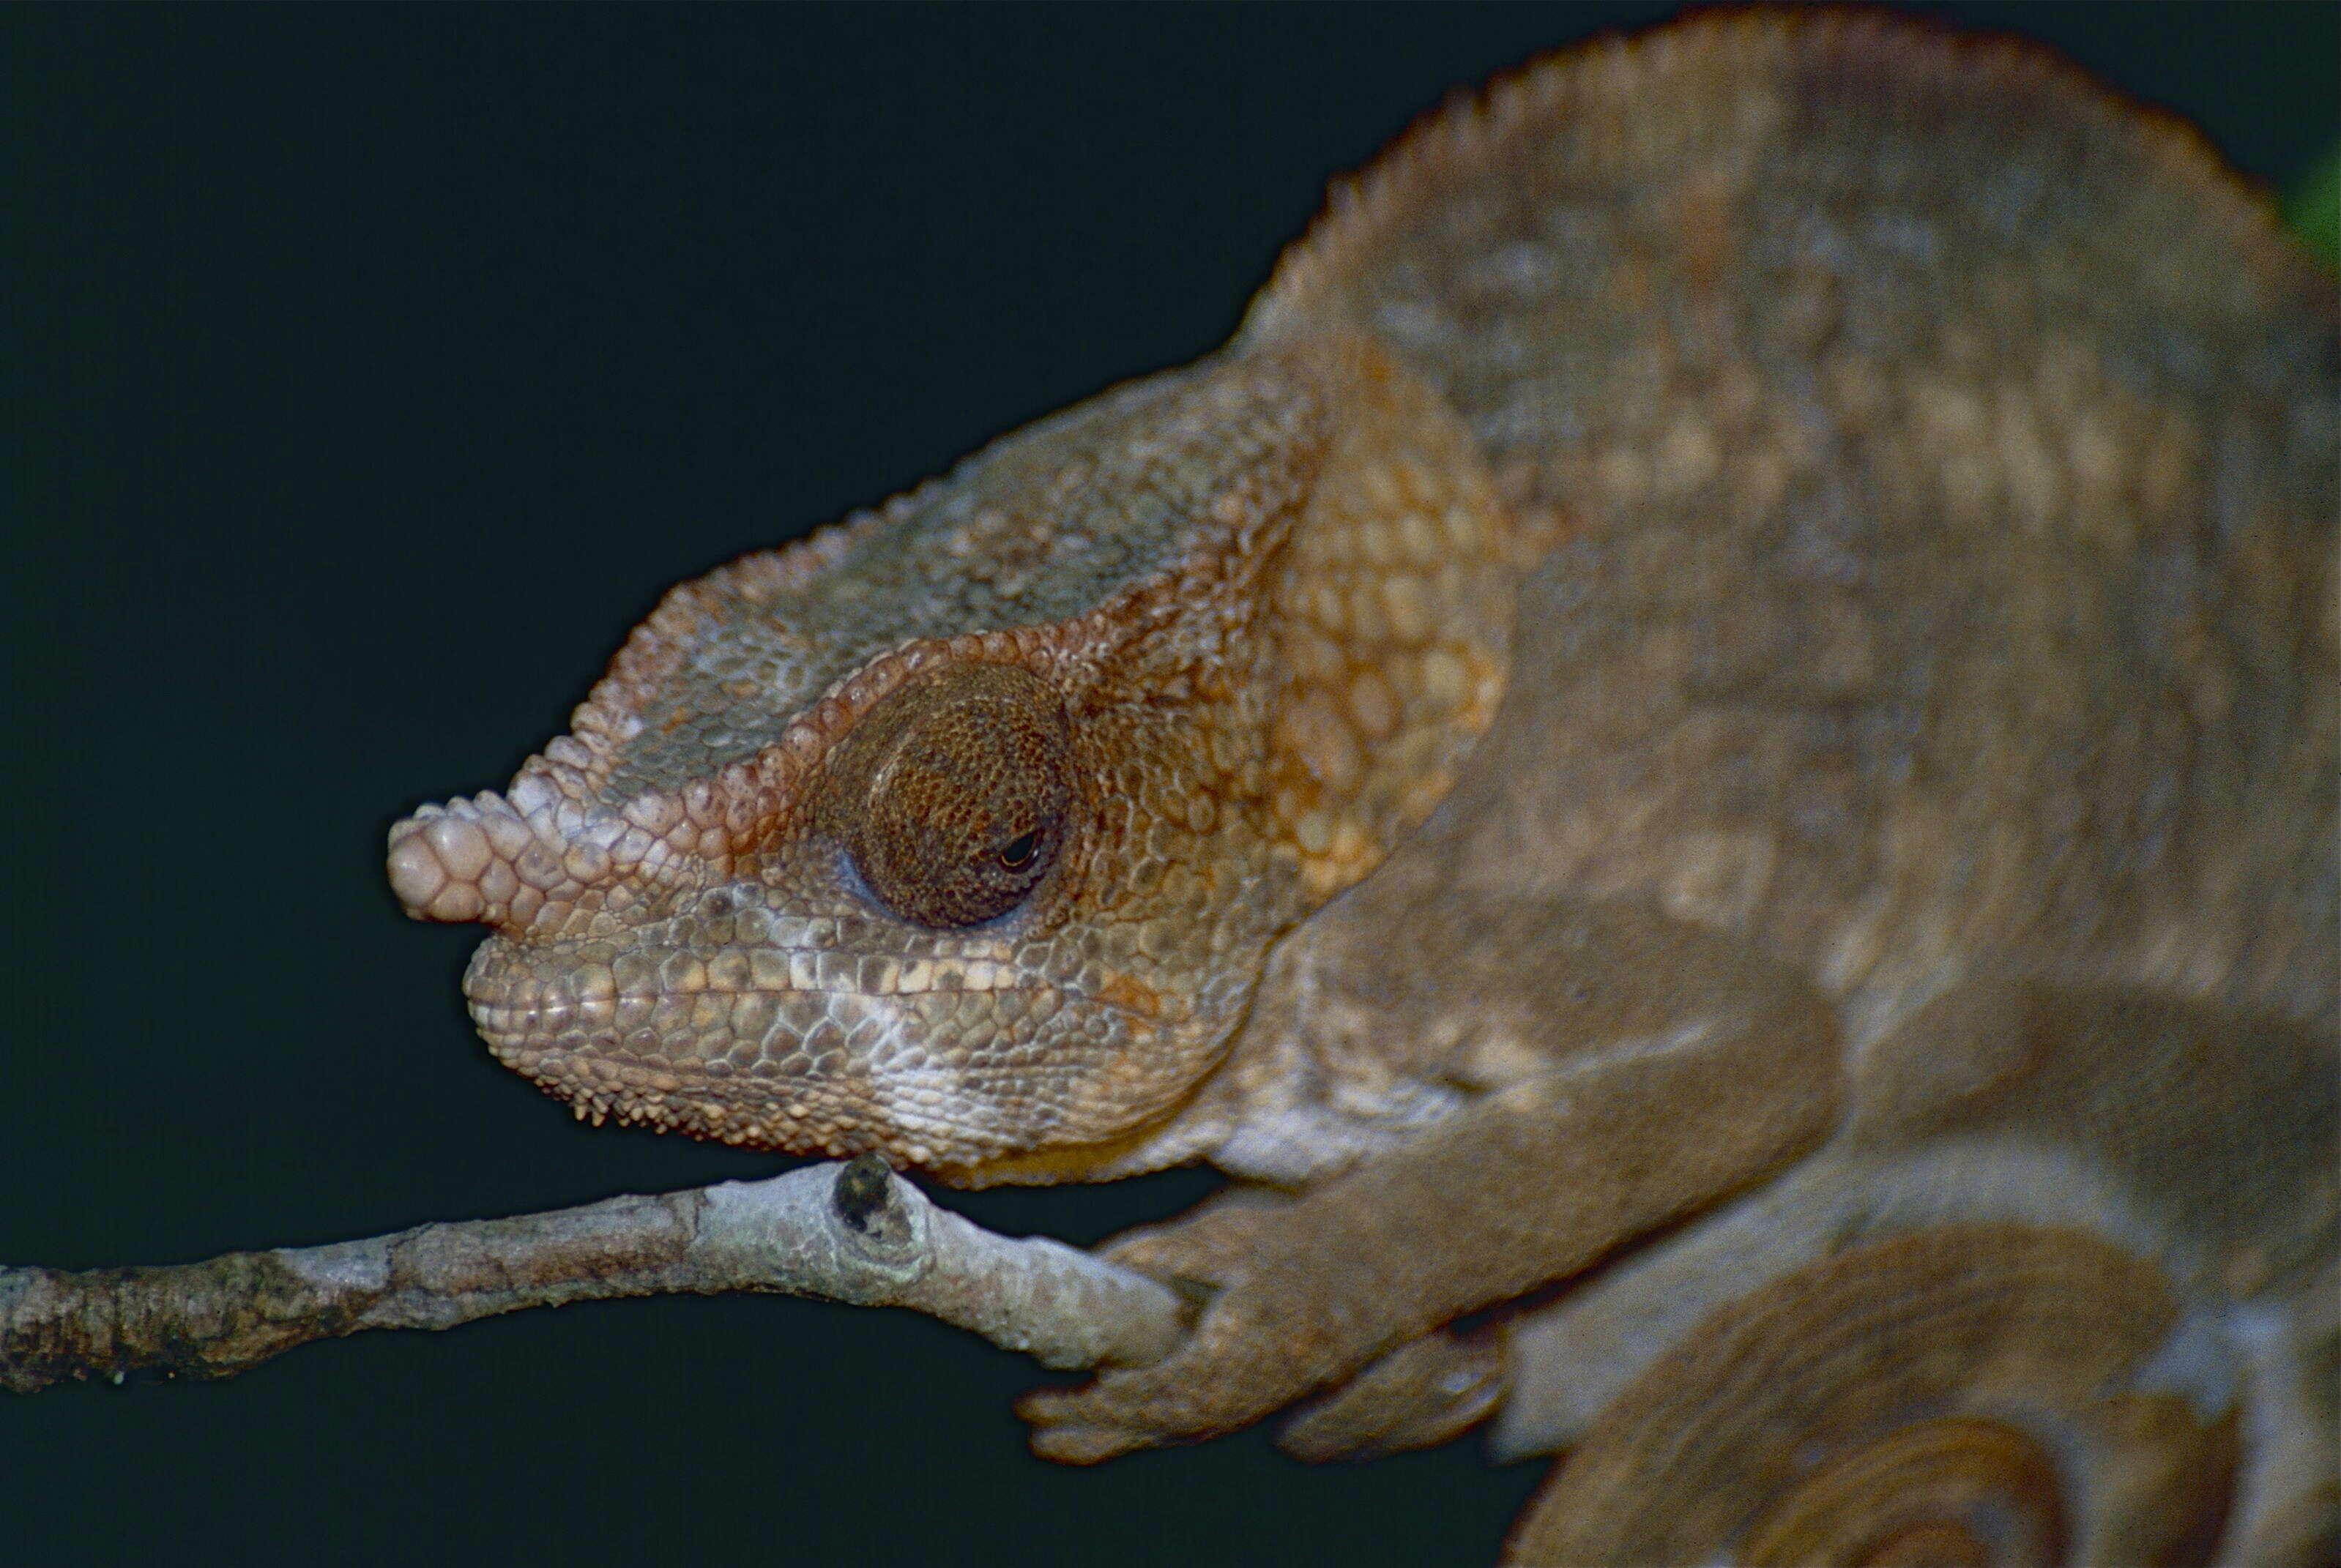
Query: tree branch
[853, 1233]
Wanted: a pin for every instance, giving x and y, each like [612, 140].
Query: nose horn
[538, 855]
[465, 861]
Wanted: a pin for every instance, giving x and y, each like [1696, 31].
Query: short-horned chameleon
[373, 1078]
[1757, 601]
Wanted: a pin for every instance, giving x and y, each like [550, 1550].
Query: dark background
[368, 373]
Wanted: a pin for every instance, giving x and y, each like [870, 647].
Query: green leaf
[2314, 209]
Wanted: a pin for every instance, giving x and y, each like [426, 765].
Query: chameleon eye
[1018, 852]
[952, 795]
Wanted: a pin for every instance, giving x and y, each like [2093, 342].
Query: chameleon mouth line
[523, 1020]
[565, 1011]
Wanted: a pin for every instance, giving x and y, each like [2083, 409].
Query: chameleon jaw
[728, 1049]
[951, 1052]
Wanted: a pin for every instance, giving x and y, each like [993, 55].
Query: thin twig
[853, 1233]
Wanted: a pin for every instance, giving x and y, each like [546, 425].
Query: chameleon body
[1746, 633]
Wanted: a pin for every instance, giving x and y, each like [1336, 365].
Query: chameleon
[1726, 694]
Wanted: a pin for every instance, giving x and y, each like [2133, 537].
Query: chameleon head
[956, 832]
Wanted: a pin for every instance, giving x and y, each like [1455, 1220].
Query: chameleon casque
[1741, 649]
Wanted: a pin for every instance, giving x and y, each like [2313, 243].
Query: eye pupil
[1017, 853]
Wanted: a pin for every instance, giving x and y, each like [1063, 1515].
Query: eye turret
[953, 796]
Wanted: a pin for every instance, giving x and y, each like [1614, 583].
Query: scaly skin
[684, 936]
[1705, 570]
